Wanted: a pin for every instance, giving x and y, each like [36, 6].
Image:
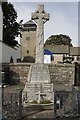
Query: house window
[27, 51]
[78, 58]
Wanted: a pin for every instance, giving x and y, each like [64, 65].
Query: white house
[6, 51]
[1, 23]
[47, 56]
[59, 52]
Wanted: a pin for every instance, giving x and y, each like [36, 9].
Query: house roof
[75, 51]
[63, 49]
[4, 0]
[29, 26]
[57, 49]
[47, 52]
[30, 22]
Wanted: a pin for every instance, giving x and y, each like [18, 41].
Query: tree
[58, 40]
[11, 28]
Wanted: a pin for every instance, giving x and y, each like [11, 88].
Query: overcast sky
[63, 17]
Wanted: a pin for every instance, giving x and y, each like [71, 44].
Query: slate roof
[57, 49]
[30, 22]
[4, 0]
[29, 26]
[75, 51]
[63, 49]
[47, 52]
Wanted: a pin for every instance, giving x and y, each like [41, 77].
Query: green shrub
[45, 101]
[34, 102]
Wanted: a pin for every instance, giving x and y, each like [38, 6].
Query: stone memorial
[39, 87]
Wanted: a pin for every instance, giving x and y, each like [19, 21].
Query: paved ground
[14, 88]
[47, 115]
[43, 114]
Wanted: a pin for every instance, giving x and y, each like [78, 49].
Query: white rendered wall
[7, 52]
[47, 58]
[1, 22]
[1, 31]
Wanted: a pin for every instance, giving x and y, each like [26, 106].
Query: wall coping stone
[54, 65]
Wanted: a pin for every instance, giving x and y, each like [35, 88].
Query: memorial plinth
[39, 73]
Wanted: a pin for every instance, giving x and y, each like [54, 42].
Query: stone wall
[60, 74]
[28, 43]
[19, 72]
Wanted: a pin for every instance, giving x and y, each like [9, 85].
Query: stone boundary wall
[60, 74]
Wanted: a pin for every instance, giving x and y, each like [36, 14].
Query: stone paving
[49, 115]
[43, 114]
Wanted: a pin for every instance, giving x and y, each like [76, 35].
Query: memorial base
[38, 86]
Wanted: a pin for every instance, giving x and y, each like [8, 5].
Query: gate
[64, 104]
[12, 106]
[77, 74]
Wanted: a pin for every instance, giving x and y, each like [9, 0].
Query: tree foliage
[58, 40]
[11, 28]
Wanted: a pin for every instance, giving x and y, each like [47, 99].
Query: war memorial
[55, 84]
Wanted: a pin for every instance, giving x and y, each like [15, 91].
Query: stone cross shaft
[40, 16]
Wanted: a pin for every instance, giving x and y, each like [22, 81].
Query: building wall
[1, 22]
[0, 52]
[60, 74]
[57, 58]
[28, 43]
[47, 58]
[7, 52]
[75, 59]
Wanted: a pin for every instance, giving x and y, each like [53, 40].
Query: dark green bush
[34, 102]
[45, 101]
[28, 59]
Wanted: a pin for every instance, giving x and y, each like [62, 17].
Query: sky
[63, 17]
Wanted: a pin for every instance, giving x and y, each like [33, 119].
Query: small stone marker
[39, 95]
